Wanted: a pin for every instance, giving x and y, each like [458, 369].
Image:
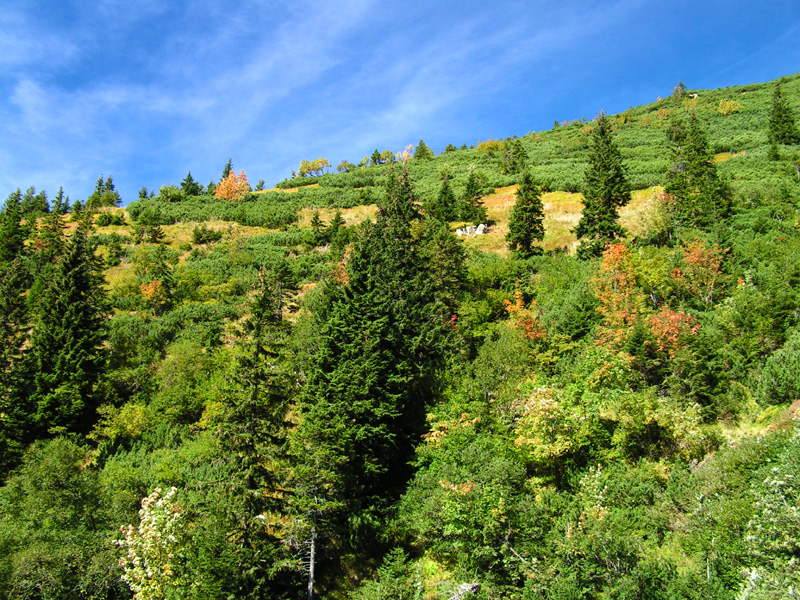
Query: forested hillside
[321, 390]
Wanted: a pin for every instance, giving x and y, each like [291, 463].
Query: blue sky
[150, 89]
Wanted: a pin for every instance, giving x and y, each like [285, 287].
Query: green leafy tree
[698, 197]
[345, 166]
[422, 152]
[606, 190]
[526, 224]
[782, 126]
[780, 378]
[376, 158]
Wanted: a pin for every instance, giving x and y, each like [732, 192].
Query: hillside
[321, 390]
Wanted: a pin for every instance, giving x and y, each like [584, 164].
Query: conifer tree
[700, 198]
[190, 187]
[105, 194]
[472, 207]
[15, 409]
[514, 158]
[606, 190]
[252, 431]
[318, 229]
[12, 234]
[443, 207]
[782, 126]
[363, 406]
[526, 224]
[422, 152]
[61, 202]
[66, 351]
[226, 170]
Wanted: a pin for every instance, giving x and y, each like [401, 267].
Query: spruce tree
[514, 158]
[606, 190]
[226, 170]
[443, 207]
[15, 409]
[422, 152]
[363, 406]
[12, 234]
[252, 432]
[700, 198]
[471, 205]
[66, 352]
[526, 224]
[782, 126]
[190, 187]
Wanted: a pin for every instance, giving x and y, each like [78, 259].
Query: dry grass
[562, 213]
[285, 190]
[351, 216]
[723, 156]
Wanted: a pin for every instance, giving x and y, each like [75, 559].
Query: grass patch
[562, 214]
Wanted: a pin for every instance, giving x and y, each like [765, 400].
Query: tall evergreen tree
[15, 409]
[12, 234]
[253, 433]
[422, 152]
[782, 126]
[33, 203]
[61, 202]
[606, 190]
[700, 198]
[363, 407]
[104, 194]
[443, 206]
[190, 187]
[226, 170]
[526, 224]
[66, 352]
[514, 158]
[471, 206]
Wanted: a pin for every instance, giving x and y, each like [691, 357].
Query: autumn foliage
[620, 303]
[525, 318]
[669, 328]
[233, 187]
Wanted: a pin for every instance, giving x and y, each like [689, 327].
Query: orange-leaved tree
[233, 187]
[620, 301]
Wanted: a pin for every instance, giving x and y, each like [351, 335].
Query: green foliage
[698, 196]
[780, 378]
[422, 152]
[66, 353]
[189, 187]
[526, 224]
[104, 194]
[782, 126]
[606, 190]
[514, 158]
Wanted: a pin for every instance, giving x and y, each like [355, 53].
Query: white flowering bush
[152, 562]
